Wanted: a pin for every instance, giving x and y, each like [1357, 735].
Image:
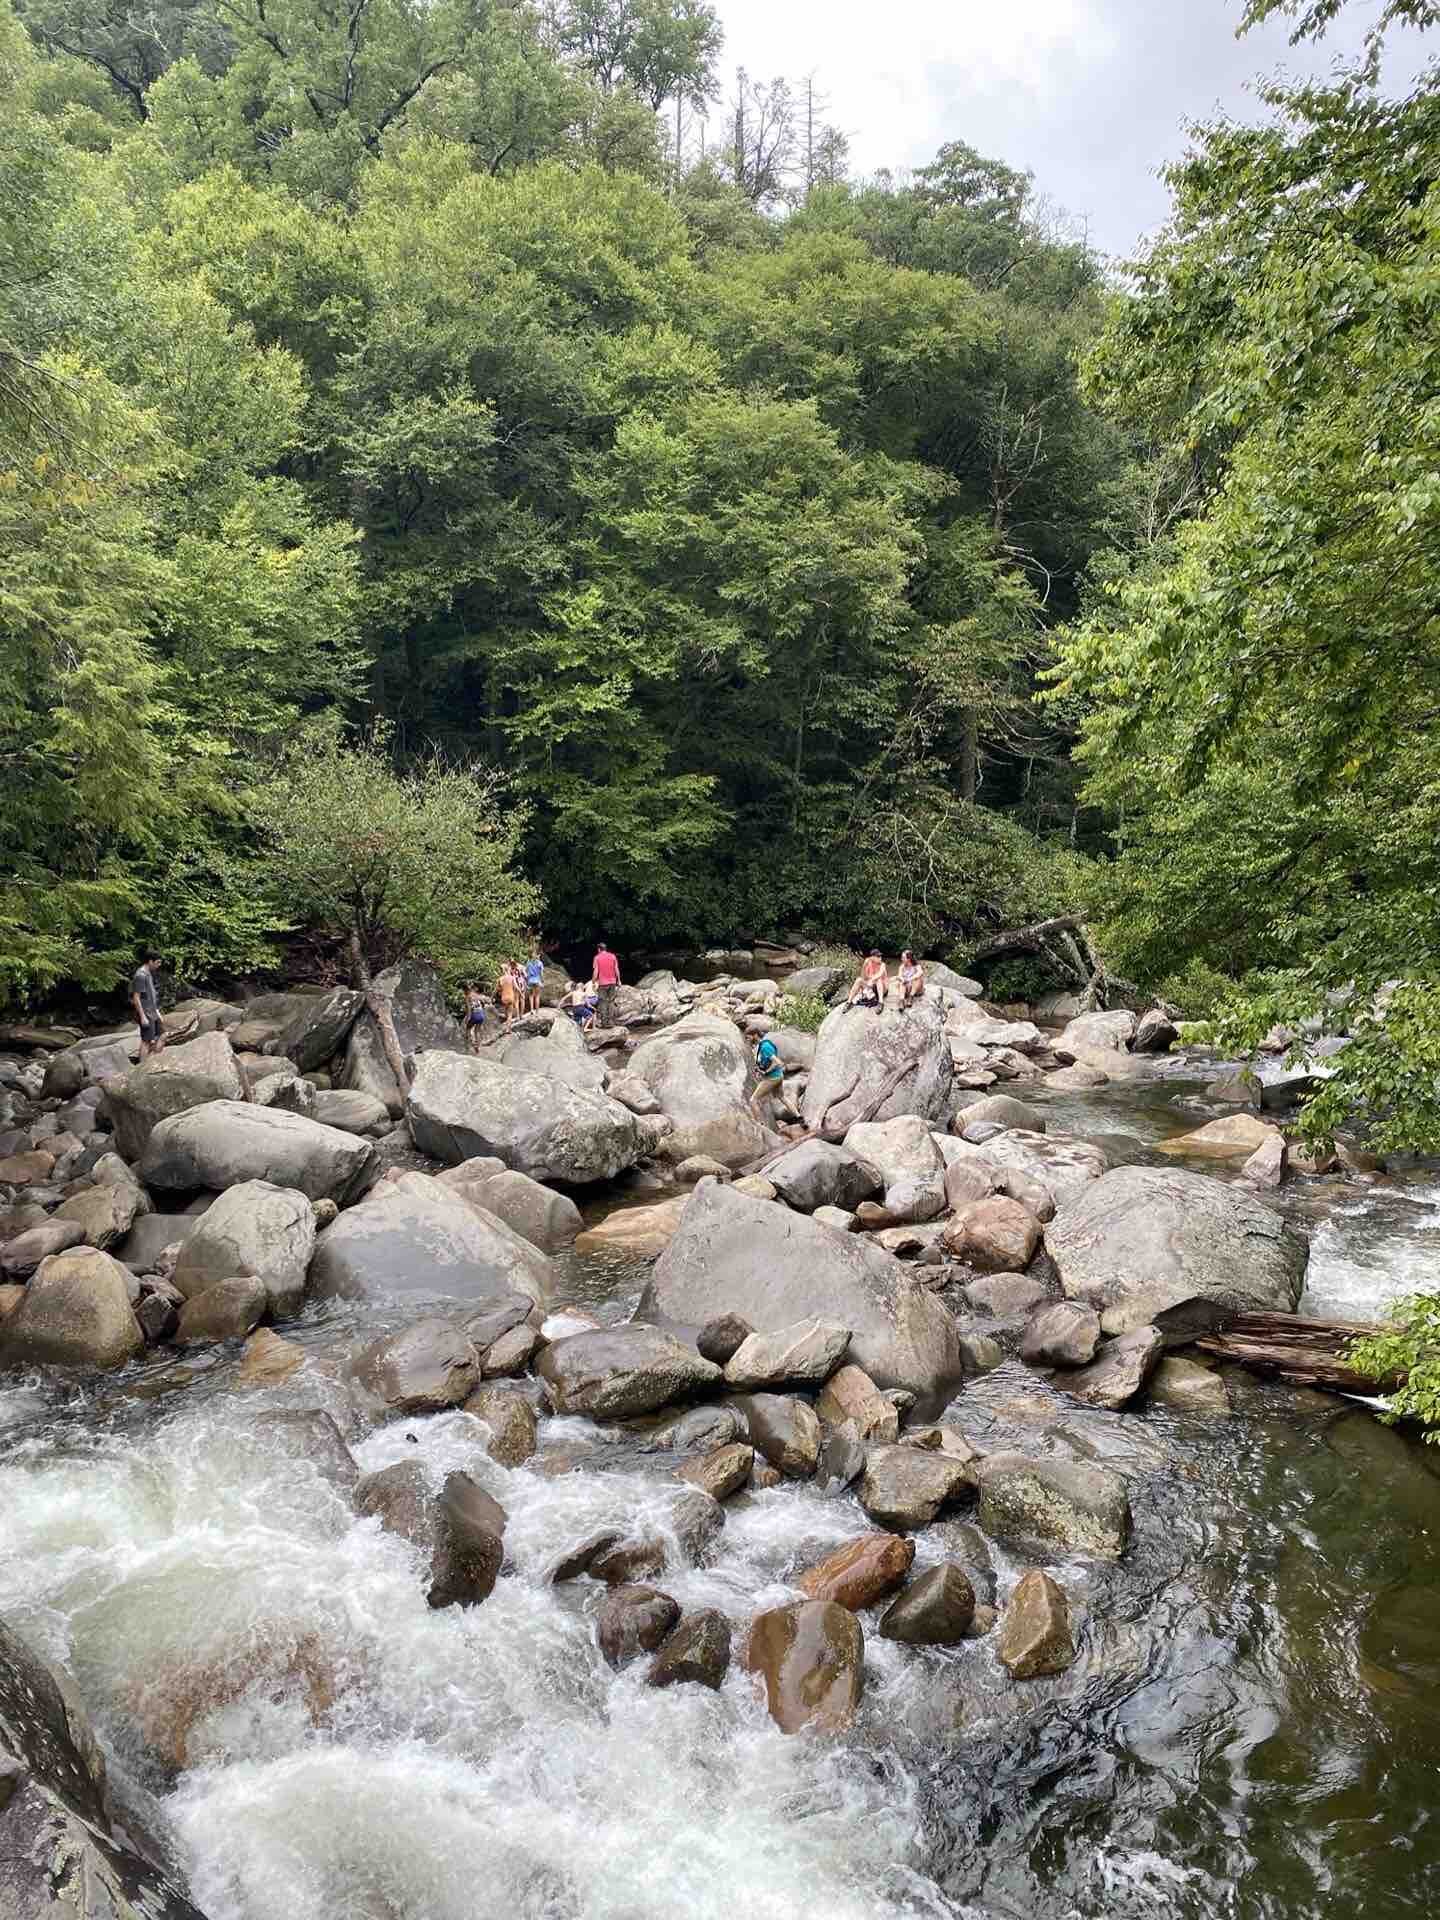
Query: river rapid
[1250, 1729]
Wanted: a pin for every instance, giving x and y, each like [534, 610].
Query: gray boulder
[1062, 1333]
[561, 1053]
[905, 1487]
[937, 975]
[310, 1027]
[858, 1053]
[1088, 1032]
[733, 1254]
[817, 983]
[169, 1083]
[804, 1355]
[548, 1220]
[616, 1373]
[1145, 1238]
[256, 1229]
[1120, 1370]
[1058, 1161]
[698, 1070]
[424, 1023]
[426, 1367]
[413, 1236]
[817, 1173]
[75, 1312]
[1007, 1112]
[351, 1111]
[461, 1106]
[225, 1142]
[148, 1238]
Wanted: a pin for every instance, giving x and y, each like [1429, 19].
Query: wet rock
[1063, 1333]
[567, 1321]
[469, 1548]
[422, 1369]
[697, 1652]
[1232, 1138]
[943, 1439]
[802, 1355]
[65, 1854]
[461, 1106]
[510, 1353]
[984, 1621]
[764, 1478]
[158, 1310]
[776, 1267]
[170, 1083]
[1145, 1238]
[226, 1310]
[577, 1559]
[268, 1359]
[784, 1431]
[619, 1372]
[1119, 1371]
[76, 1313]
[413, 1235]
[842, 1458]
[697, 1519]
[1035, 1628]
[312, 1436]
[905, 1487]
[22, 1255]
[810, 1658]
[484, 1327]
[817, 1173]
[722, 1338]
[861, 1572]
[511, 1420]
[1044, 1504]
[1005, 1112]
[634, 1620]
[257, 1229]
[705, 1428]
[996, 1235]
[627, 1561]
[851, 1396]
[225, 1142]
[936, 1610]
[1188, 1388]
[721, 1473]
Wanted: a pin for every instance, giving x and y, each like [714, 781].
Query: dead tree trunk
[378, 1005]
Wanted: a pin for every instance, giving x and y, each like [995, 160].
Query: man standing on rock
[146, 1006]
[605, 975]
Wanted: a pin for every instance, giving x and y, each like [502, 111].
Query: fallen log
[1305, 1353]
[836, 1134]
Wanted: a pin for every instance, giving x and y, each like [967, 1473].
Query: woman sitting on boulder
[912, 981]
[871, 984]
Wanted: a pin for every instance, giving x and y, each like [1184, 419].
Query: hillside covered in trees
[798, 551]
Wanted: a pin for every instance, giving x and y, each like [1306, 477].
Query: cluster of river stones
[815, 1304]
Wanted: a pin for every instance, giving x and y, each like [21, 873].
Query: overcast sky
[1090, 95]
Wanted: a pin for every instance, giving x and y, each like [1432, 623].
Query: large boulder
[76, 1313]
[734, 1254]
[255, 1229]
[1060, 1162]
[310, 1027]
[1091, 1032]
[168, 1083]
[423, 1023]
[560, 1052]
[424, 1368]
[698, 1069]
[226, 1142]
[546, 1219]
[415, 1237]
[64, 1854]
[461, 1106]
[858, 1054]
[616, 1373]
[1145, 1238]
[910, 1164]
[817, 1173]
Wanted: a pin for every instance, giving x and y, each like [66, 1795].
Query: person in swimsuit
[473, 1017]
[771, 1069]
[872, 983]
[507, 992]
[534, 980]
[912, 981]
[579, 1004]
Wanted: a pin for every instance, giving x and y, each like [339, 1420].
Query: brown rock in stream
[810, 1657]
[721, 1473]
[634, 1620]
[861, 1572]
[698, 1651]
[937, 1610]
[1035, 1628]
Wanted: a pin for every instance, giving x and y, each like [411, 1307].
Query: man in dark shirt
[147, 1006]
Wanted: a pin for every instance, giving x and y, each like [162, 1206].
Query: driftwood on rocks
[836, 1134]
[1064, 940]
[1305, 1353]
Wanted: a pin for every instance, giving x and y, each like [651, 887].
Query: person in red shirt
[605, 977]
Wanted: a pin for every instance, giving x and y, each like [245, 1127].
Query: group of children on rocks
[517, 993]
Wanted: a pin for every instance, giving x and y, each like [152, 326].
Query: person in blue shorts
[472, 1017]
[534, 980]
[579, 1003]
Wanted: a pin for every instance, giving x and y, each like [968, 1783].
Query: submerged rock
[810, 1658]
[1187, 1387]
[697, 1652]
[1044, 1504]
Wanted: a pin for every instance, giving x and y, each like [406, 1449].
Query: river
[1249, 1731]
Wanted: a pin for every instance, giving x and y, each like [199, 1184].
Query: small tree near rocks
[418, 861]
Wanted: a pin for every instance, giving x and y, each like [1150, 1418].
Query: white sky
[1090, 95]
